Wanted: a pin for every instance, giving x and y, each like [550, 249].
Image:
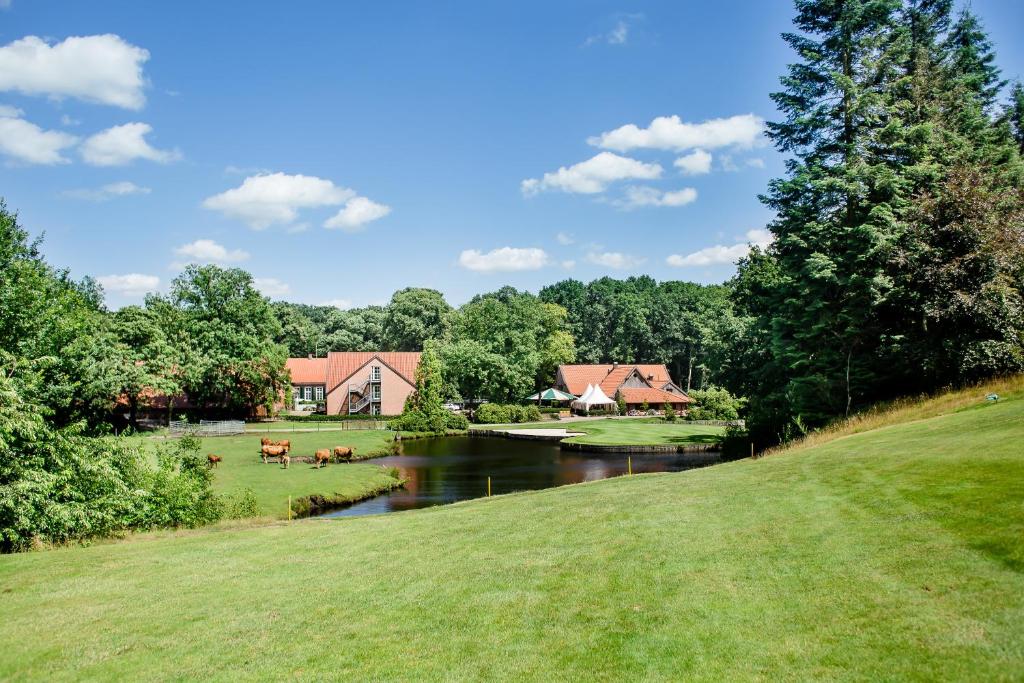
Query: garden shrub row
[334, 418]
[496, 413]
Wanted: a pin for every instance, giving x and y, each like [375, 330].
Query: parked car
[453, 407]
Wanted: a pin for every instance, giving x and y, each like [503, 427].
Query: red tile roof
[654, 397]
[610, 377]
[339, 366]
[308, 370]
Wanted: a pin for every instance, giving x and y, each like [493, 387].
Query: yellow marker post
[629, 464]
[751, 449]
[289, 509]
[488, 487]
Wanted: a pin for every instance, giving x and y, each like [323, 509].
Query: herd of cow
[282, 449]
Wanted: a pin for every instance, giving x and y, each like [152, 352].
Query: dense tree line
[897, 263]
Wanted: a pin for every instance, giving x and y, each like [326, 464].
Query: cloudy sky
[341, 151]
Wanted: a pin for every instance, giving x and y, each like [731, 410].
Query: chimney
[615, 364]
[310, 356]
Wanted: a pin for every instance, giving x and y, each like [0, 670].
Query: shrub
[333, 418]
[457, 421]
[531, 414]
[492, 413]
[241, 506]
[670, 414]
[715, 403]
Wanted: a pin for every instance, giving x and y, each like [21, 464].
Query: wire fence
[206, 427]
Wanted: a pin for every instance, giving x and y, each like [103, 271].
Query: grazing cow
[322, 457]
[285, 444]
[213, 460]
[272, 451]
[343, 453]
[265, 441]
[285, 460]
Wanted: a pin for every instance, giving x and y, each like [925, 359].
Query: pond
[448, 469]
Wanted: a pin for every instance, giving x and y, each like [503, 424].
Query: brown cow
[285, 460]
[343, 453]
[272, 451]
[285, 444]
[266, 441]
[213, 460]
[322, 457]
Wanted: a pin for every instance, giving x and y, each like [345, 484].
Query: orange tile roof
[654, 397]
[342, 364]
[610, 377]
[339, 366]
[308, 370]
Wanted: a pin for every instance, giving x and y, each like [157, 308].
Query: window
[307, 393]
[376, 392]
[375, 409]
[319, 393]
[375, 373]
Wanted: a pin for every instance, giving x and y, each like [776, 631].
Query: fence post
[629, 464]
[289, 509]
[488, 487]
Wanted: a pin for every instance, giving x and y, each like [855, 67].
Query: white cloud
[720, 254]
[669, 132]
[131, 284]
[123, 144]
[637, 196]
[5, 4]
[28, 143]
[564, 238]
[208, 251]
[265, 199]
[618, 34]
[66, 120]
[343, 304]
[593, 175]
[103, 69]
[756, 162]
[271, 286]
[697, 162]
[357, 212]
[9, 112]
[504, 259]
[614, 259]
[569, 264]
[109, 191]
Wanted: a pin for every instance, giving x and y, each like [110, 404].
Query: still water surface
[448, 469]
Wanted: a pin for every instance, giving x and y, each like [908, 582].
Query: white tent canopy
[593, 396]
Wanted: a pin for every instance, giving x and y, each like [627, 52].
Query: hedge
[333, 418]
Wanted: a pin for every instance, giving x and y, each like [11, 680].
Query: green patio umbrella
[551, 394]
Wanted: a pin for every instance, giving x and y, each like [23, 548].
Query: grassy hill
[892, 553]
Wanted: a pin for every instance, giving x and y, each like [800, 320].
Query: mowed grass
[631, 432]
[243, 468]
[893, 554]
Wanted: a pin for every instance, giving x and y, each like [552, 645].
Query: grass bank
[628, 432]
[891, 554]
[308, 486]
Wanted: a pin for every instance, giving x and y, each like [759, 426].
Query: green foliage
[414, 316]
[715, 403]
[670, 413]
[496, 413]
[424, 408]
[332, 418]
[242, 505]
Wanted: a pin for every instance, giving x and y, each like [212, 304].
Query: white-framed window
[318, 393]
[375, 373]
[376, 392]
[307, 393]
[375, 409]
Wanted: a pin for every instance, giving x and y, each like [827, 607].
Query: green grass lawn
[244, 469]
[892, 554]
[631, 432]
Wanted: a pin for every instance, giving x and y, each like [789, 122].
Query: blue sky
[341, 151]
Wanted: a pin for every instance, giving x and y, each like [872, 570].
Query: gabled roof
[654, 397]
[308, 370]
[339, 366]
[610, 377]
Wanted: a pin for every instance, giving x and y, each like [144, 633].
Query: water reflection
[449, 469]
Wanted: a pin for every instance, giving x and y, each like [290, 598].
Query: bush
[531, 414]
[457, 421]
[492, 413]
[715, 403]
[242, 506]
[670, 414]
